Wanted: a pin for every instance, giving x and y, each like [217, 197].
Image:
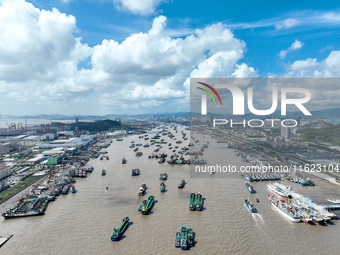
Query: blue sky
[100, 20]
[269, 39]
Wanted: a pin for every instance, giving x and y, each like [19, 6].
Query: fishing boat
[308, 183]
[162, 187]
[190, 237]
[181, 185]
[199, 202]
[138, 154]
[103, 172]
[247, 178]
[250, 188]
[192, 203]
[250, 206]
[135, 172]
[184, 236]
[142, 190]
[178, 239]
[147, 207]
[124, 160]
[117, 232]
[163, 177]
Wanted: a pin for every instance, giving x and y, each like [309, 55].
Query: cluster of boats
[303, 181]
[185, 238]
[196, 202]
[260, 177]
[297, 207]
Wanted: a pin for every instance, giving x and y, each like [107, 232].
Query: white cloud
[311, 68]
[40, 57]
[143, 7]
[296, 45]
[287, 23]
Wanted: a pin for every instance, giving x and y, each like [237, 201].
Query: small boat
[117, 232]
[192, 203]
[184, 236]
[250, 206]
[181, 185]
[142, 190]
[257, 200]
[107, 157]
[101, 158]
[138, 154]
[162, 187]
[124, 160]
[178, 239]
[199, 202]
[163, 177]
[135, 172]
[103, 172]
[250, 188]
[107, 188]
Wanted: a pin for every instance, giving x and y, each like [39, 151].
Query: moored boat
[192, 203]
[184, 236]
[199, 202]
[117, 232]
[190, 237]
[178, 239]
[103, 172]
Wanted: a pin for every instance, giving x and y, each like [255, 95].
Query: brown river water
[82, 223]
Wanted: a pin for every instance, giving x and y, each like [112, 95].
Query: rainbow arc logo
[209, 93]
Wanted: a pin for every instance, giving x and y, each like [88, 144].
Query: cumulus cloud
[327, 68]
[40, 60]
[296, 45]
[143, 7]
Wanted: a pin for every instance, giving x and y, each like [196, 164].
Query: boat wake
[259, 222]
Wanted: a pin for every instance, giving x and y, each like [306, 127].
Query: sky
[136, 56]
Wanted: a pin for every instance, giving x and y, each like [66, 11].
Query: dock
[3, 240]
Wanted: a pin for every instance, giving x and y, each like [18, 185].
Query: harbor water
[82, 223]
